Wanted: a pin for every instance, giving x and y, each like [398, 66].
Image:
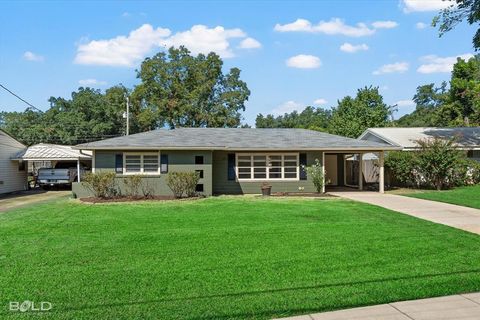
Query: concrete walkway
[459, 217]
[29, 197]
[457, 307]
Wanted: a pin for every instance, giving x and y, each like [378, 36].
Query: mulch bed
[302, 194]
[130, 199]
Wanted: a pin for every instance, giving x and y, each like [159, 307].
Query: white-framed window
[141, 163]
[262, 166]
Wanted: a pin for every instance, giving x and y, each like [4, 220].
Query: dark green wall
[215, 173]
[221, 184]
[177, 161]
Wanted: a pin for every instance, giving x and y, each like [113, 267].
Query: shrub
[403, 166]
[316, 173]
[183, 183]
[438, 162]
[133, 184]
[191, 180]
[101, 184]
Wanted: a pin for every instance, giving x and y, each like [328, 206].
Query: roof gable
[467, 137]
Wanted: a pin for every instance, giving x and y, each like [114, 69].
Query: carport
[54, 153]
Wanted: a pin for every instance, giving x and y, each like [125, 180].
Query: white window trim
[141, 154]
[297, 155]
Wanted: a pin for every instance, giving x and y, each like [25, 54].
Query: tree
[352, 116]
[88, 115]
[463, 102]
[450, 17]
[181, 90]
[438, 161]
[428, 100]
[310, 118]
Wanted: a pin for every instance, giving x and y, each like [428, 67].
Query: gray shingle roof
[234, 139]
[467, 137]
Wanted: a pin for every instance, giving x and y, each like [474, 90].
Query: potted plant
[266, 189]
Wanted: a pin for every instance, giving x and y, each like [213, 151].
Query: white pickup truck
[62, 174]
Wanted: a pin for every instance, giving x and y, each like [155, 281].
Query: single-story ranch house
[468, 138]
[229, 160]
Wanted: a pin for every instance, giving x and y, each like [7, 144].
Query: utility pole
[128, 115]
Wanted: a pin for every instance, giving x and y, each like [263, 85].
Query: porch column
[323, 171]
[78, 170]
[381, 176]
[360, 171]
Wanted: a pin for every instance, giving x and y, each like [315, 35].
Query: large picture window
[141, 163]
[267, 166]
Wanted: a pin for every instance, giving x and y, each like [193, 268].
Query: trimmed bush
[183, 183]
[133, 184]
[101, 184]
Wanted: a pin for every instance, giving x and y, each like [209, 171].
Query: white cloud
[201, 39]
[424, 5]
[126, 14]
[249, 43]
[385, 24]
[129, 50]
[288, 107]
[121, 50]
[304, 61]
[405, 103]
[30, 56]
[350, 48]
[421, 25]
[320, 101]
[91, 82]
[397, 67]
[333, 27]
[436, 64]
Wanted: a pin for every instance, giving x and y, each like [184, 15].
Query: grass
[225, 258]
[463, 196]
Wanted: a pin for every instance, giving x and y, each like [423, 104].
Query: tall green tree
[463, 102]
[460, 10]
[353, 115]
[428, 100]
[310, 118]
[88, 115]
[181, 90]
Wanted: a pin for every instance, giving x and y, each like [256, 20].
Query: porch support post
[323, 171]
[78, 170]
[381, 177]
[360, 171]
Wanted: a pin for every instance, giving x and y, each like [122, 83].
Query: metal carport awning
[53, 152]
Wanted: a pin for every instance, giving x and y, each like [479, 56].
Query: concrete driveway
[29, 197]
[459, 217]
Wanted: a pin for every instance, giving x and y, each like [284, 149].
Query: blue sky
[291, 53]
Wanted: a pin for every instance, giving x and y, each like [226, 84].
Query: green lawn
[464, 196]
[225, 258]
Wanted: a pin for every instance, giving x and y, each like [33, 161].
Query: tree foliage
[181, 90]
[88, 115]
[460, 10]
[352, 116]
[310, 118]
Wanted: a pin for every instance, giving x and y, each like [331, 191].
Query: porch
[354, 171]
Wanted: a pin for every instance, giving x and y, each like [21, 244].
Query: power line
[18, 97]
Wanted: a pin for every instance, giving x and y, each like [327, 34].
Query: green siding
[177, 161]
[215, 174]
[221, 184]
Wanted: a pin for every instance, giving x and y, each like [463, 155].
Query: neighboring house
[468, 138]
[229, 160]
[13, 174]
